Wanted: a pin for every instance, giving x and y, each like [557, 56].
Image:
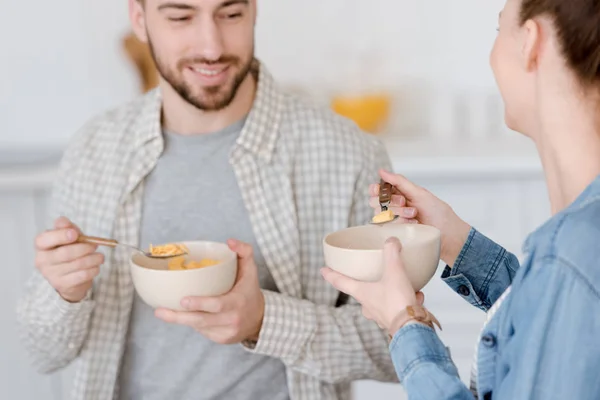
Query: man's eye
[179, 19]
[232, 15]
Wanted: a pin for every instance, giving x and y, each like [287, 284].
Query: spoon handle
[385, 192]
[97, 240]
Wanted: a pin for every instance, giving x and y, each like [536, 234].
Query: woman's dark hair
[577, 23]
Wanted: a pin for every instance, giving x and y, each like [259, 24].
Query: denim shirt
[544, 340]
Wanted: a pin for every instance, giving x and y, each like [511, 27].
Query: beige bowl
[159, 287]
[357, 252]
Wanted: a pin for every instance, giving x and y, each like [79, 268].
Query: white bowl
[357, 252]
[160, 287]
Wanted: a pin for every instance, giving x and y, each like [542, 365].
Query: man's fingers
[243, 250]
[64, 223]
[52, 239]
[74, 279]
[91, 261]
[188, 318]
[207, 304]
[65, 254]
[247, 270]
[341, 282]
[197, 320]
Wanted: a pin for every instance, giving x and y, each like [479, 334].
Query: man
[218, 152]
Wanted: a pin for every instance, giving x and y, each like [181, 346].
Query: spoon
[113, 243]
[385, 198]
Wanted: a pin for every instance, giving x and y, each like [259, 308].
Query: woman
[542, 338]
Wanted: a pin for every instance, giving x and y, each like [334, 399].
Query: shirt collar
[589, 195]
[259, 134]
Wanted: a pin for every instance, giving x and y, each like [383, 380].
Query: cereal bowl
[357, 252]
[160, 287]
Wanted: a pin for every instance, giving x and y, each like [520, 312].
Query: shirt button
[511, 330]
[446, 273]
[488, 340]
[71, 346]
[463, 290]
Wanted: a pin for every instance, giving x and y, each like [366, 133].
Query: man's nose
[210, 43]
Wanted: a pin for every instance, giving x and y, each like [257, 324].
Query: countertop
[514, 157]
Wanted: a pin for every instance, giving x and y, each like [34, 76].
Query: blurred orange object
[369, 111]
[139, 54]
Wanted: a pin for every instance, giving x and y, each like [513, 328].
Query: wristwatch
[414, 313]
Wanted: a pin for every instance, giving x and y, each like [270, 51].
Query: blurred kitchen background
[413, 72]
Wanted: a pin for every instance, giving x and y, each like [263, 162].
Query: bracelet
[413, 313]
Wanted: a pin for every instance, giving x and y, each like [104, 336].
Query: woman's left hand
[383, 300]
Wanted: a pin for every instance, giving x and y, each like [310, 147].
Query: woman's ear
[530, 46]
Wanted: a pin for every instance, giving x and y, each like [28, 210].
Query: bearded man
[216, 152]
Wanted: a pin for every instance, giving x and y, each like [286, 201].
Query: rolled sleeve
[482, 271]
[281, 336]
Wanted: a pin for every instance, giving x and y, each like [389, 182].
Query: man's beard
[213, 98]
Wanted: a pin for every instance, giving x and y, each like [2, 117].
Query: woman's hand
[413, 204]
[384, 300]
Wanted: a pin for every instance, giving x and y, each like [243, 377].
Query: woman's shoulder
[575, 242]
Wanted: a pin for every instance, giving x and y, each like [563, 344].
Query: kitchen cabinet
[497, 187]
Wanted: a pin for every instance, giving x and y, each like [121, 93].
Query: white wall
[61, 61]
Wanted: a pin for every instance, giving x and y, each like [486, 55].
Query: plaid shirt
[303, 172]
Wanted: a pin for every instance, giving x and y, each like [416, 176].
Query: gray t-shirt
[193, 194]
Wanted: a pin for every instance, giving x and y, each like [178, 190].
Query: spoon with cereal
[164, 251]
[385, 197]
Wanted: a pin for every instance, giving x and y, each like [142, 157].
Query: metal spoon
[113, 243]
[385, 198]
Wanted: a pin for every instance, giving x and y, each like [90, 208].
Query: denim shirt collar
[590, 194]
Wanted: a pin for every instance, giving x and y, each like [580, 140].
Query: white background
[62, 62]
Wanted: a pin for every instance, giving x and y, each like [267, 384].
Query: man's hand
[233, 317]
[68, 266]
